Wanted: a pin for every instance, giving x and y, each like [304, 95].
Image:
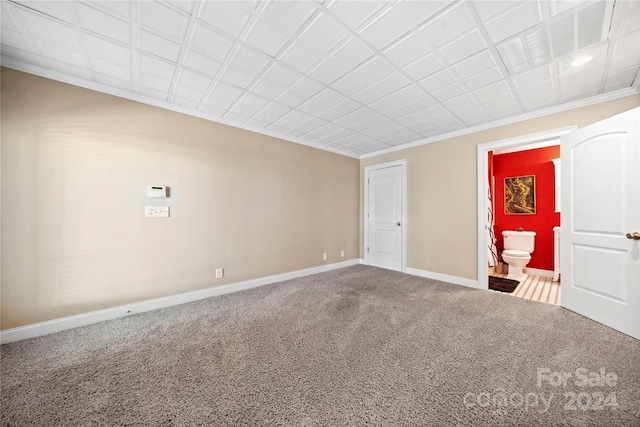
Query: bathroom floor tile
[536, 288]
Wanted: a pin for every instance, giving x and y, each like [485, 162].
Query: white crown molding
[622, 93]
[121, 93]
[635, 84]
[64, 323]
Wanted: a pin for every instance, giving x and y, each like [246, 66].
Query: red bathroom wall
[531, 162]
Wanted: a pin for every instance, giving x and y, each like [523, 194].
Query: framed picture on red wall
[520, 195]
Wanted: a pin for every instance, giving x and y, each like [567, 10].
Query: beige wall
[442, 189]
[75, 166]
[76, 163]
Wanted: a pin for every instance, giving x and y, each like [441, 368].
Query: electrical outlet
[156, 211]
[342, 254]
[324, 256]
[219, 273]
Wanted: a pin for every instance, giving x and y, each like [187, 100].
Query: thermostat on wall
[157, 191]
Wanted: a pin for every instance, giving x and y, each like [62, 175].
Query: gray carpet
[356, 346]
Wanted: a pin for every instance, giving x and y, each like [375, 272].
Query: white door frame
[367, 170]
[483, 174]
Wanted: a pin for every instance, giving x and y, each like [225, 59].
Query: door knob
[398, 224]
[635, 235]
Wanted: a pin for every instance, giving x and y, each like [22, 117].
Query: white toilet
[518, 246]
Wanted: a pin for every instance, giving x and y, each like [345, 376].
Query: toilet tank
[519, 240]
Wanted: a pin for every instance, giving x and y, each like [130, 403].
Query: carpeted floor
[356, 346]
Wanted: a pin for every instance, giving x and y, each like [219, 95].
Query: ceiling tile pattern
[351, 76]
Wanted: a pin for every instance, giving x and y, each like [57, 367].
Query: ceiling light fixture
[581, 60]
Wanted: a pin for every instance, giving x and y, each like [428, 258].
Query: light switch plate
[156, 211]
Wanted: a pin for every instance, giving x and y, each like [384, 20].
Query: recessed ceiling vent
[562, 35]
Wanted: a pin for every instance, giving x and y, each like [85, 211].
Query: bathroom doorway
[534, 158]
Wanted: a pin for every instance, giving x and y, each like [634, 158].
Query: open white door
[385, 216]
[600, 212]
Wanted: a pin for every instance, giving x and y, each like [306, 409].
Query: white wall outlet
[156, 211]
[324, 256]
[342, 253]
[219, 273]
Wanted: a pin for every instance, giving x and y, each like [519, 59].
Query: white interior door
[385, 217]
[600, 212]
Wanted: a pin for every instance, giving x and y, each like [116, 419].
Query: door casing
[483, 173]
[367, 170]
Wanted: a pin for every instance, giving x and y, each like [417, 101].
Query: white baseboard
[539, 272]
[64, 323]
[443, 277]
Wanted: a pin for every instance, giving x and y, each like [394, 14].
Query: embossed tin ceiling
[354, 77]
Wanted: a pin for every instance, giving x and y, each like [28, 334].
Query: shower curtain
[491, 238]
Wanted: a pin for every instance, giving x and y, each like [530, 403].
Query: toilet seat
[515, 253]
